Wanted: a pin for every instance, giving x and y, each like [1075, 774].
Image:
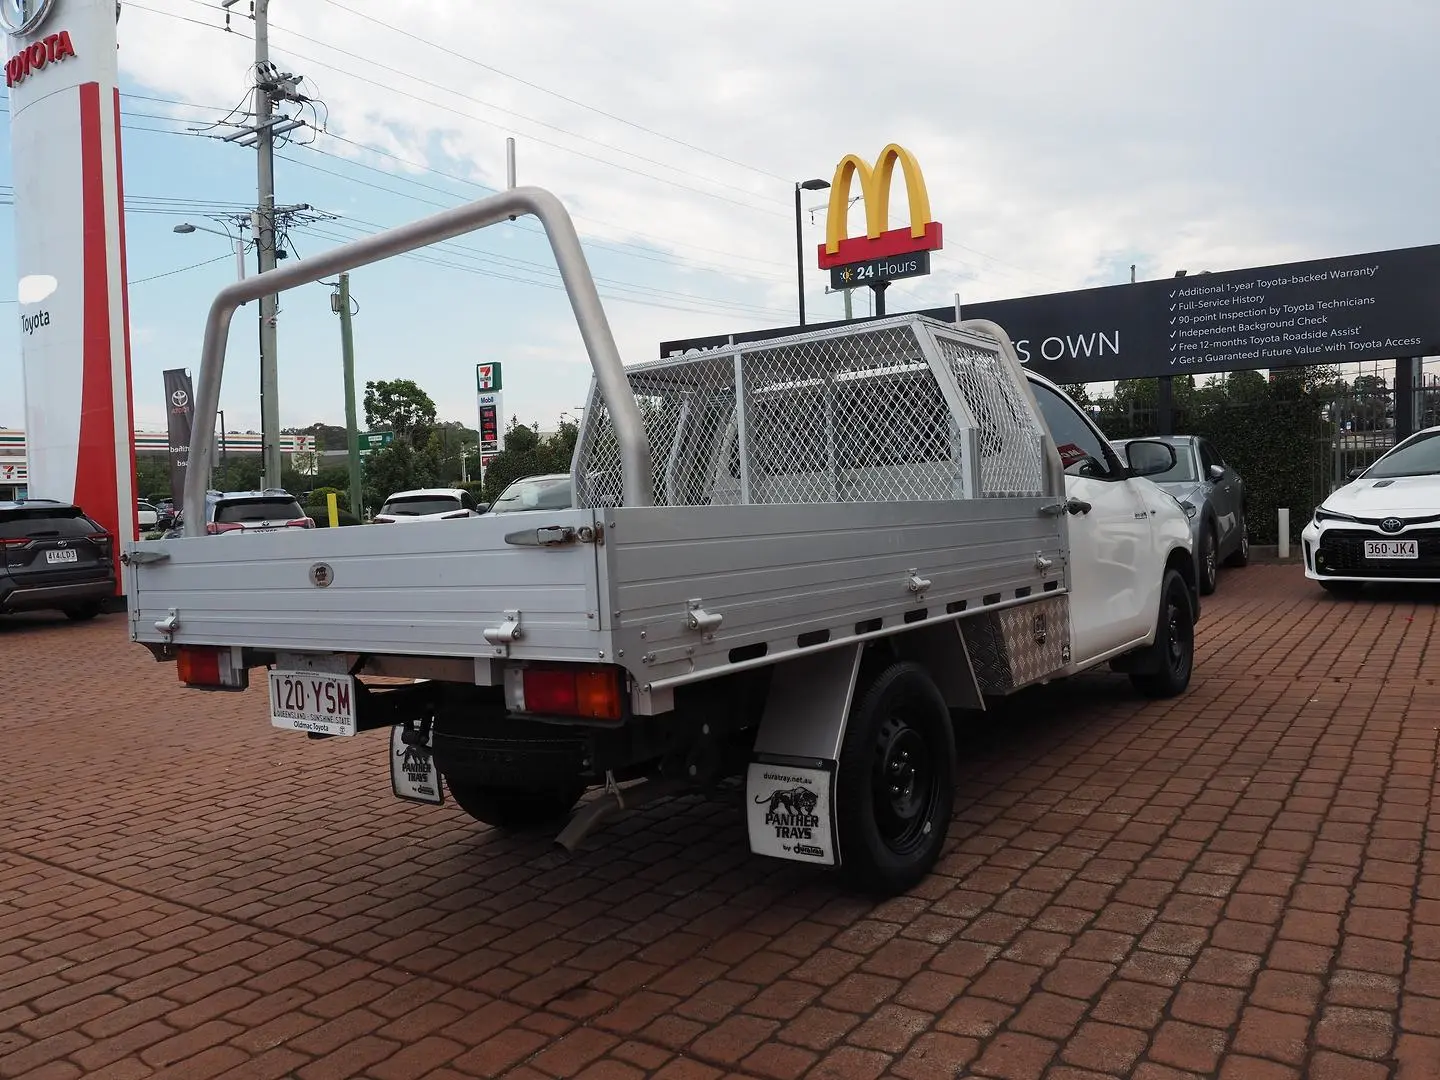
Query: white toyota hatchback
[1384, 525]
[428, 504]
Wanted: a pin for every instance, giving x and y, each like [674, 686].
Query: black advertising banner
[180, 409]
[1327, 311]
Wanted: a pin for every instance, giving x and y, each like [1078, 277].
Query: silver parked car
[550, 491]
[1213, 495]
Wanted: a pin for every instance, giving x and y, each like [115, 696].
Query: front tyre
[895, 785]
[1172, 657]
[1241, 555]
[515, 808]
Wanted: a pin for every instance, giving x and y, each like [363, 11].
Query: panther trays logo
[791, 812]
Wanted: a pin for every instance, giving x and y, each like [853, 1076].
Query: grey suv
[54, 558]
[1212, 494]
[253, 511]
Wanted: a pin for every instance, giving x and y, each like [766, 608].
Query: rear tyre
[515, 808]
[1209, 560]
[895, 786]
[1344, 590]
[83, 612]
[1172, 657]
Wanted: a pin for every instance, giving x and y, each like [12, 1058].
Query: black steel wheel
[895, 788]
[1172, 657]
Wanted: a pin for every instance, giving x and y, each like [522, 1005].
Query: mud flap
[790, 810]
[413, 774]
[790, 794]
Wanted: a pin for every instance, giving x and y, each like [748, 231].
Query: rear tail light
[381, 519]
[301, 523]
[210, 667]
[13, 541]
[456, 514]
[216, 527]
[591, 693]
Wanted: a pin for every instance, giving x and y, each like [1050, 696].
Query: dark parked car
[53, 558]
[1213, 496]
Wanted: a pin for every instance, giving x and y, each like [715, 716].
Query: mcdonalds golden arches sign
[922, 234]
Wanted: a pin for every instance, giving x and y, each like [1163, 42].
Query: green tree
[447, 443]
[1245, 386]
[152, 476]
[397, 467]
[525, 453]
[399, 405]
[327, 436]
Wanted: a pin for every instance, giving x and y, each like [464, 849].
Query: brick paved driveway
[1243, 883]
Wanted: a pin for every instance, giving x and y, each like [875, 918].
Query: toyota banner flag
[180, 408]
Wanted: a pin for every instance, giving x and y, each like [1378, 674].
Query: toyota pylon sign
[61, 70]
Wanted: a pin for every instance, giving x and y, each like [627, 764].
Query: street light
[803, 185]
[184, 228]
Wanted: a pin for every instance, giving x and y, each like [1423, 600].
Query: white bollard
[1284, 533]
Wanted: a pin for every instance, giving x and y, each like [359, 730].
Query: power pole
[265, 237]
[352, 430]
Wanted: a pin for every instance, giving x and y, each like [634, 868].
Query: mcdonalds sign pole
[880, 256]
[491, 405]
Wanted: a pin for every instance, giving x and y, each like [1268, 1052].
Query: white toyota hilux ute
[793, 563]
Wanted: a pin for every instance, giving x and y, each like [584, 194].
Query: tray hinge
[507, 632]
[169, 624]
[700, 620]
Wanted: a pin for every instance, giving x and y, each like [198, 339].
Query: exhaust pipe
[589, 817]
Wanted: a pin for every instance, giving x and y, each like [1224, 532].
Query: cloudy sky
[1061, 143]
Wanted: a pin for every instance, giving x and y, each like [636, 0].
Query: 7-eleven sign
[487, 378]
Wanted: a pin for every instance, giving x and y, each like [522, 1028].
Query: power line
[480, 262]
[608, 292]
[470, 116]
[527, 119]
[653, 254]
[157, 277]
[658, 257]
[554, 93]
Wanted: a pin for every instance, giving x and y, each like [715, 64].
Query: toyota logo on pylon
[22, 16]
[1392, 525]
[180, 399]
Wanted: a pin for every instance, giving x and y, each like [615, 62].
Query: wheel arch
[1183, 563]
